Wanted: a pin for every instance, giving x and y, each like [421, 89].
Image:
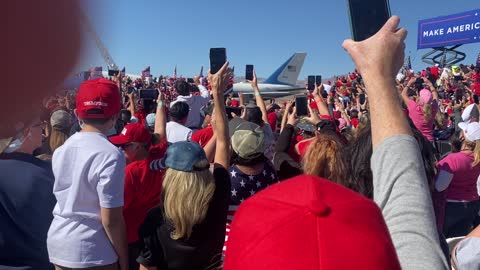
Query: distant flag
[408, 63]
[122, 72]
[478, 60]
[233, 70]
[201, 72]
[175, 73]
[95, 73]
[146, 72]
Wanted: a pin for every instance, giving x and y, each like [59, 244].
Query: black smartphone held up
[249, 72]
[149, 94]
[362, 99]
[218, 57]
[301, 104]
[235, 110]
[130, 89]
[190, 80]
[318, 80]
[311, 83]
[367, 17]
[112, 72]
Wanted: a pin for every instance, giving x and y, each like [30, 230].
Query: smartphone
[218, 57]
[301, 104]
[249, 72]
[318, 80]
[112, 72]
[367, 17]
[362, 99]
[236, 110]
[130, 89]
[149, 94]
[311, 83]
[475, 99]
[190, 80]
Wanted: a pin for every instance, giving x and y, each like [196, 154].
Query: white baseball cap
[471, 130]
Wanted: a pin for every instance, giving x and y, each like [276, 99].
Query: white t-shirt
[177, 132]
[89, 174]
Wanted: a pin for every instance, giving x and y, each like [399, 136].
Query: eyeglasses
[125, 146]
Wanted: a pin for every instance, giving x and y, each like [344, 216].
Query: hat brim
[119, 140]
[234, 123]
[463, 125]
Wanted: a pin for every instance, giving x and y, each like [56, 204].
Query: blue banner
[461, 28]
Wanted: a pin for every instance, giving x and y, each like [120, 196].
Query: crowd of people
[380, 173]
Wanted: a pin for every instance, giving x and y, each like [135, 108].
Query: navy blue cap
[182, 156]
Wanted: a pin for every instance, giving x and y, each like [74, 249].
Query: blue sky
[163, 34]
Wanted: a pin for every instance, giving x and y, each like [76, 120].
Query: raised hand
[382, 54]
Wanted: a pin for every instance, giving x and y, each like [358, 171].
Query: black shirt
[203, 250]
[26, 205]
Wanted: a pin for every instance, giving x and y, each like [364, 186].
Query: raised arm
[404, 93]
[258, 98]
[131, 106]
[322, 106]
[432, 89]
[203, 90]
[285, 115]
[161, 117]
[219, 82]
[400, 184]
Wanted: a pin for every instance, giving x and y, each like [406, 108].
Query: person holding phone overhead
[258, 114]
[187, 230]
[195, 103]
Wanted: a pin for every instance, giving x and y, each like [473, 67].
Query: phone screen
[130, 89]
[249, 72]
[362, 99]
[112, 72]
[318, 80]
[218, 57]
[301, 105]
[367, 17]
[148, 94]
[311, 83]
[235, 110]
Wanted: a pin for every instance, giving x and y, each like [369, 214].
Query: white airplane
[281, 83]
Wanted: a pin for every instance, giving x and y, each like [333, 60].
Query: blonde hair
[324, 158]
[475, 149]
[476, 155]
[427, 111]
[57, 139]
[186, 197]
[439, 119]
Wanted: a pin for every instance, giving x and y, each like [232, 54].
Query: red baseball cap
[132, 133]
[98, 98]
[309, 223]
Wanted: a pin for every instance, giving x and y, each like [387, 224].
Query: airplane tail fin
[287, 73]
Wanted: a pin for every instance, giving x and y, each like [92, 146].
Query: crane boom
[103, 50]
